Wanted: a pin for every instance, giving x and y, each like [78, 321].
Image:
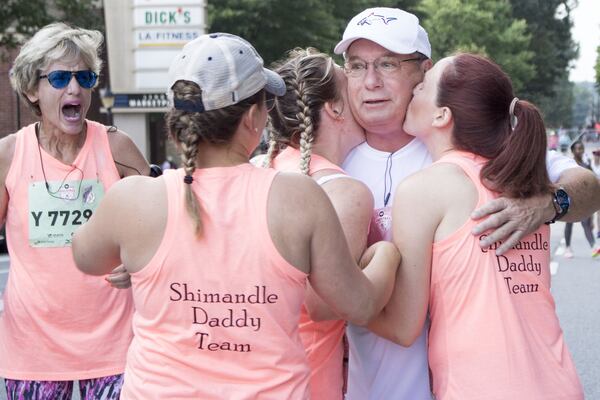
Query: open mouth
[72, 111]
[374, 102]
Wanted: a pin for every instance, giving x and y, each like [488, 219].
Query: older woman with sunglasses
[59, 325]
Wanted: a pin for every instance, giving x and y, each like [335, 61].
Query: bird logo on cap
[369, 19]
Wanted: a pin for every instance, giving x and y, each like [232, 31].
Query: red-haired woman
[494, 330]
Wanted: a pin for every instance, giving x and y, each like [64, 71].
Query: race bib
[381, 225]
[54, 214]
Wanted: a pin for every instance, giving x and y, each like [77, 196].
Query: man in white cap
[386, 54]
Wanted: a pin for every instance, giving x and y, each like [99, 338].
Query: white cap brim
[343, 45]
[275, 84]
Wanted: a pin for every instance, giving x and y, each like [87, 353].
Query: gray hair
[52, 43]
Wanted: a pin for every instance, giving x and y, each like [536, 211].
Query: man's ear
[443, 117]
[426, 65]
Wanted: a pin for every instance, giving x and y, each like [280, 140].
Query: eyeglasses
[386, 66]
[60, 79]
[269, 101]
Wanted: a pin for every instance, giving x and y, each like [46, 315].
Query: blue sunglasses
[60, 79]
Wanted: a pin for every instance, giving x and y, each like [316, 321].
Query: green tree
[558, 108]
[276, 26]
[549, 25]
[483, 26]
[20, 19]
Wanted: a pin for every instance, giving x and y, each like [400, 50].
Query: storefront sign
[137, 100]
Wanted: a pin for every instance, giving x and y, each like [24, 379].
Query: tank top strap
[174, 186]
[471, 164]
[173, 179]
[324, 179]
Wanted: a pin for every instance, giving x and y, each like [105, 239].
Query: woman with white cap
[219, 251]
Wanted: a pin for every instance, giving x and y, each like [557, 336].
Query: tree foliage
[483, 26]
[549, 26]
[558, 108]
[530, 39]
[276, 26]
[20, 19]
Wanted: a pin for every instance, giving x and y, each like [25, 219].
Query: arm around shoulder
[583, 188]
[353, 203]
[415, 217]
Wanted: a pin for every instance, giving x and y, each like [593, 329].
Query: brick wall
[8, 99]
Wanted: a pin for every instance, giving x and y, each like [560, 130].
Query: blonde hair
[309, 76]
[52, 43]
[191, 129]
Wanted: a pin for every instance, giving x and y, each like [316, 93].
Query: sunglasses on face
[60, 79]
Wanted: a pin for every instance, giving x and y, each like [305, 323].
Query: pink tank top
[494, 330]
[217, 317]
[323, 340]
[58, 323]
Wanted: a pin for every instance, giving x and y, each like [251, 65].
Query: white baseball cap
[396, 30]
[226, 67]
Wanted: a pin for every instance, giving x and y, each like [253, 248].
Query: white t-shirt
[556, 163]
[378, 368]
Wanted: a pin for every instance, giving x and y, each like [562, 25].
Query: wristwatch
[561, 202]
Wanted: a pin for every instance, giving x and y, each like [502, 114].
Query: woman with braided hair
[315, 123]
[219, 251]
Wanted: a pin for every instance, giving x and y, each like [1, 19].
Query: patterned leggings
[105, 388]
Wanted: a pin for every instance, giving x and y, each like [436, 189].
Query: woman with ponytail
[315, 130]
[220, 251]
[494, 330]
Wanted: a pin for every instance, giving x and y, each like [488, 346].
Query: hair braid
[273, 146]
[191, 129]
[306, 136]
[190, 140]
[310, 82]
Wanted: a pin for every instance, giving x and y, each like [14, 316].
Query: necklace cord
[387, 174]
[73, 168]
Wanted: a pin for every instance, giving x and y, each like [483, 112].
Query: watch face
[563, 200]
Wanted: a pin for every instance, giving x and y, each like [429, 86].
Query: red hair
[479, 94]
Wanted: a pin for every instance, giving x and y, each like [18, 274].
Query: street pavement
[576, 290]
